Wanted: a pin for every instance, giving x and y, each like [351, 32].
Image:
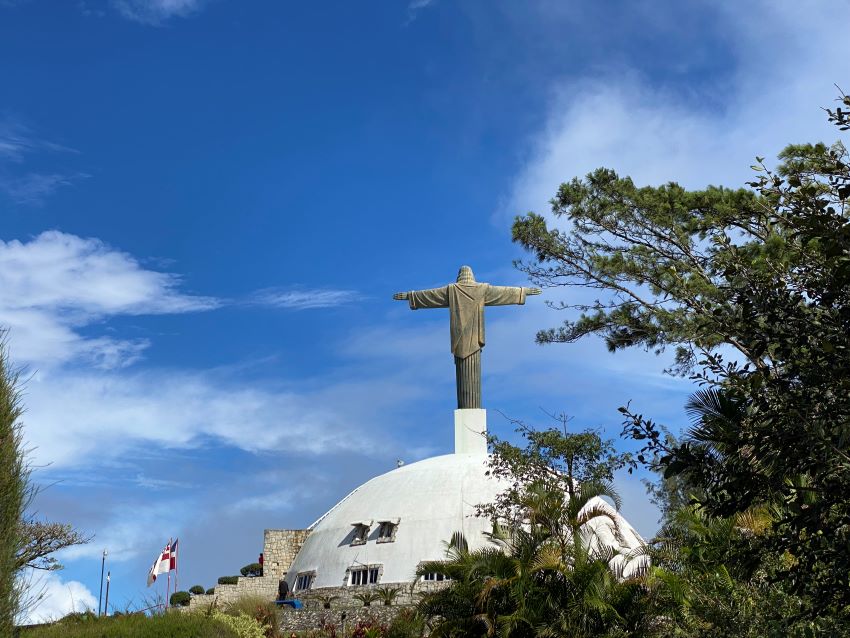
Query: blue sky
[206, 207]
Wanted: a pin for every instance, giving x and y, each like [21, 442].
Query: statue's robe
[466, 310]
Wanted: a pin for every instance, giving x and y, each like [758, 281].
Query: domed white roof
[427, 502]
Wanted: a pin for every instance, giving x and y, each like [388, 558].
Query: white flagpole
[168, 584]
[176, 560]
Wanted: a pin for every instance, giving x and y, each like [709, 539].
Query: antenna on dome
[399, 462]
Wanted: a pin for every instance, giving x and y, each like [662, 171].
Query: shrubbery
[242, 625]
[228, 580]
[252, 569]
[259, 608]
[211, 590]
[180, 599]
[196, 589]
[184, 625]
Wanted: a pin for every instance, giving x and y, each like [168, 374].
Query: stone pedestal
[471, 431]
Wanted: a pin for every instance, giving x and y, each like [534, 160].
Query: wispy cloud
[157, 12]
[21, 185]
[304, 299]
[414, 7]
[35, 188]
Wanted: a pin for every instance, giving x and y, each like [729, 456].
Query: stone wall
[308, 619]
[280, 546]
[314, 615]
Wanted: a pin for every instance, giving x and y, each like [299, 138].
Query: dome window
[364, 575]
[304, 581]
[387, 529]
[361, 532]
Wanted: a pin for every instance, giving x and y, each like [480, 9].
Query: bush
[196, 589]
[243, 625]
[180, 599]
[259, 608]
[369, 628]
[228, 580]
[138, 626]
[407, 624]
[388, 594]
[252, 569]
[211, 590]
[367, 597]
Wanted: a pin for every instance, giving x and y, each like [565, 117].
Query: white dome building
[385, 528]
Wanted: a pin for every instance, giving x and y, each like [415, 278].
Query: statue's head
[465, 276]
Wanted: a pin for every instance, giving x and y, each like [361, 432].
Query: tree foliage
[41, 539]
[13, 490]
[554, 457]
[551, 569]
[251, 570]
[751, 288]
[25, 542]
[180, 599]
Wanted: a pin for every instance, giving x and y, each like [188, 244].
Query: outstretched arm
[506, 295]
[432, 298]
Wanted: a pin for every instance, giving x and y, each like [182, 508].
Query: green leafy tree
[550, 570]
[555, 457]
[751, 288]
[13, 491]
[25, 542]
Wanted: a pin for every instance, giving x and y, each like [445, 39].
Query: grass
[171, 625]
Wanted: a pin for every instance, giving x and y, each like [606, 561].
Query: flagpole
[168, 584]
[100, 597]
[176, 558]
[106, 602]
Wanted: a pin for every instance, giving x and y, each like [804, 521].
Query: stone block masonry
[280, 546]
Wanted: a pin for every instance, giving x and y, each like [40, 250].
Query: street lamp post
[106, 602]
[100, 596]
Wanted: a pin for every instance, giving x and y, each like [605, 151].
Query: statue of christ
[466, 300]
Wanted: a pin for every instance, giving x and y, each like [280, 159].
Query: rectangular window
[304, 581]
[386, 531]
[361, 533]
[364, 576]
[435, 576]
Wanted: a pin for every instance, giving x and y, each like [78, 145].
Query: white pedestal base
[471, 431]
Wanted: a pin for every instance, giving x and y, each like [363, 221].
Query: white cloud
[155, 12]
[74, 418]
[620, 120]
[305, 299]
[54, 287]
[57, 283]
[57, 597]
